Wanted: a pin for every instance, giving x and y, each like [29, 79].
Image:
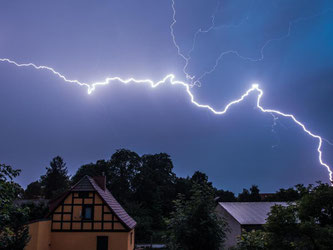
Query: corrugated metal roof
[250, 213]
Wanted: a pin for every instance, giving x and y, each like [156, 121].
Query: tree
[36, 211]
[290, 194]
[253, 240]
[201, 179]
[56, 179]
[8, 189]
[282, 227]
[225, 196]
[119, 172]
[14, 234]
[244, 196]
[317, 205]
[194, 224]
[251, 196]
[101, 167]
[183, 186]
[254, 195]
[33, 190]
[124, 166]
[154, 186]
[305, 224]
[14, 230]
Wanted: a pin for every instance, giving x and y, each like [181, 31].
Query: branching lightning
[199, 31]
[197, 80]
[171, 79]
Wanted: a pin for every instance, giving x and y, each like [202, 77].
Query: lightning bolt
[172, 33]
[196, 81]
[172, 80]
[199, 31]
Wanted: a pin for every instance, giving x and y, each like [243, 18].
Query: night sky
[286, 46]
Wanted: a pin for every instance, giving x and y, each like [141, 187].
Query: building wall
[40, 233]
[88, 240]
[43, 239]
[233, 225]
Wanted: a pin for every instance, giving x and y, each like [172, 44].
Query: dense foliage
[33, 191]
[194, 225]
[305, 224]
[56, 179]
[14, 233]
[36, 210]
[251, 196]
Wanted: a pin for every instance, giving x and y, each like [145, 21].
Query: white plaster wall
[233, 225]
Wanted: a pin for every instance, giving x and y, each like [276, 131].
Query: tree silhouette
[33, 190]
[56, 179]
[194, 224]
[14, 234]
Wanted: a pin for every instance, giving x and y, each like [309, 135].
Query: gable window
[87, 212]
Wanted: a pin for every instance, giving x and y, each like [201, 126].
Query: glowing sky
[286, 47]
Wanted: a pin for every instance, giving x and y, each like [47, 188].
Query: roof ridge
[72, 187]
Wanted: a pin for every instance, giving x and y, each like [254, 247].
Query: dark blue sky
[284, 45]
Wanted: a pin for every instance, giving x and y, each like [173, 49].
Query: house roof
[89, 184]
[250, 213]
[85, 184]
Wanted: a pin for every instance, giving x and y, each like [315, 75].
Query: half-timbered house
[85, 217]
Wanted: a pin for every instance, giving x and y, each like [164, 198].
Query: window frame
[84, 207]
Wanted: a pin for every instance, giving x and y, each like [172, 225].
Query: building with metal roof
[243, 216]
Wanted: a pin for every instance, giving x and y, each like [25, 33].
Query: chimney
[101, 181]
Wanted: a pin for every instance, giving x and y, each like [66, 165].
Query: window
[87, 212]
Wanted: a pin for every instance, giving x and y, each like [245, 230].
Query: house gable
[69, 215]
[89, 207]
